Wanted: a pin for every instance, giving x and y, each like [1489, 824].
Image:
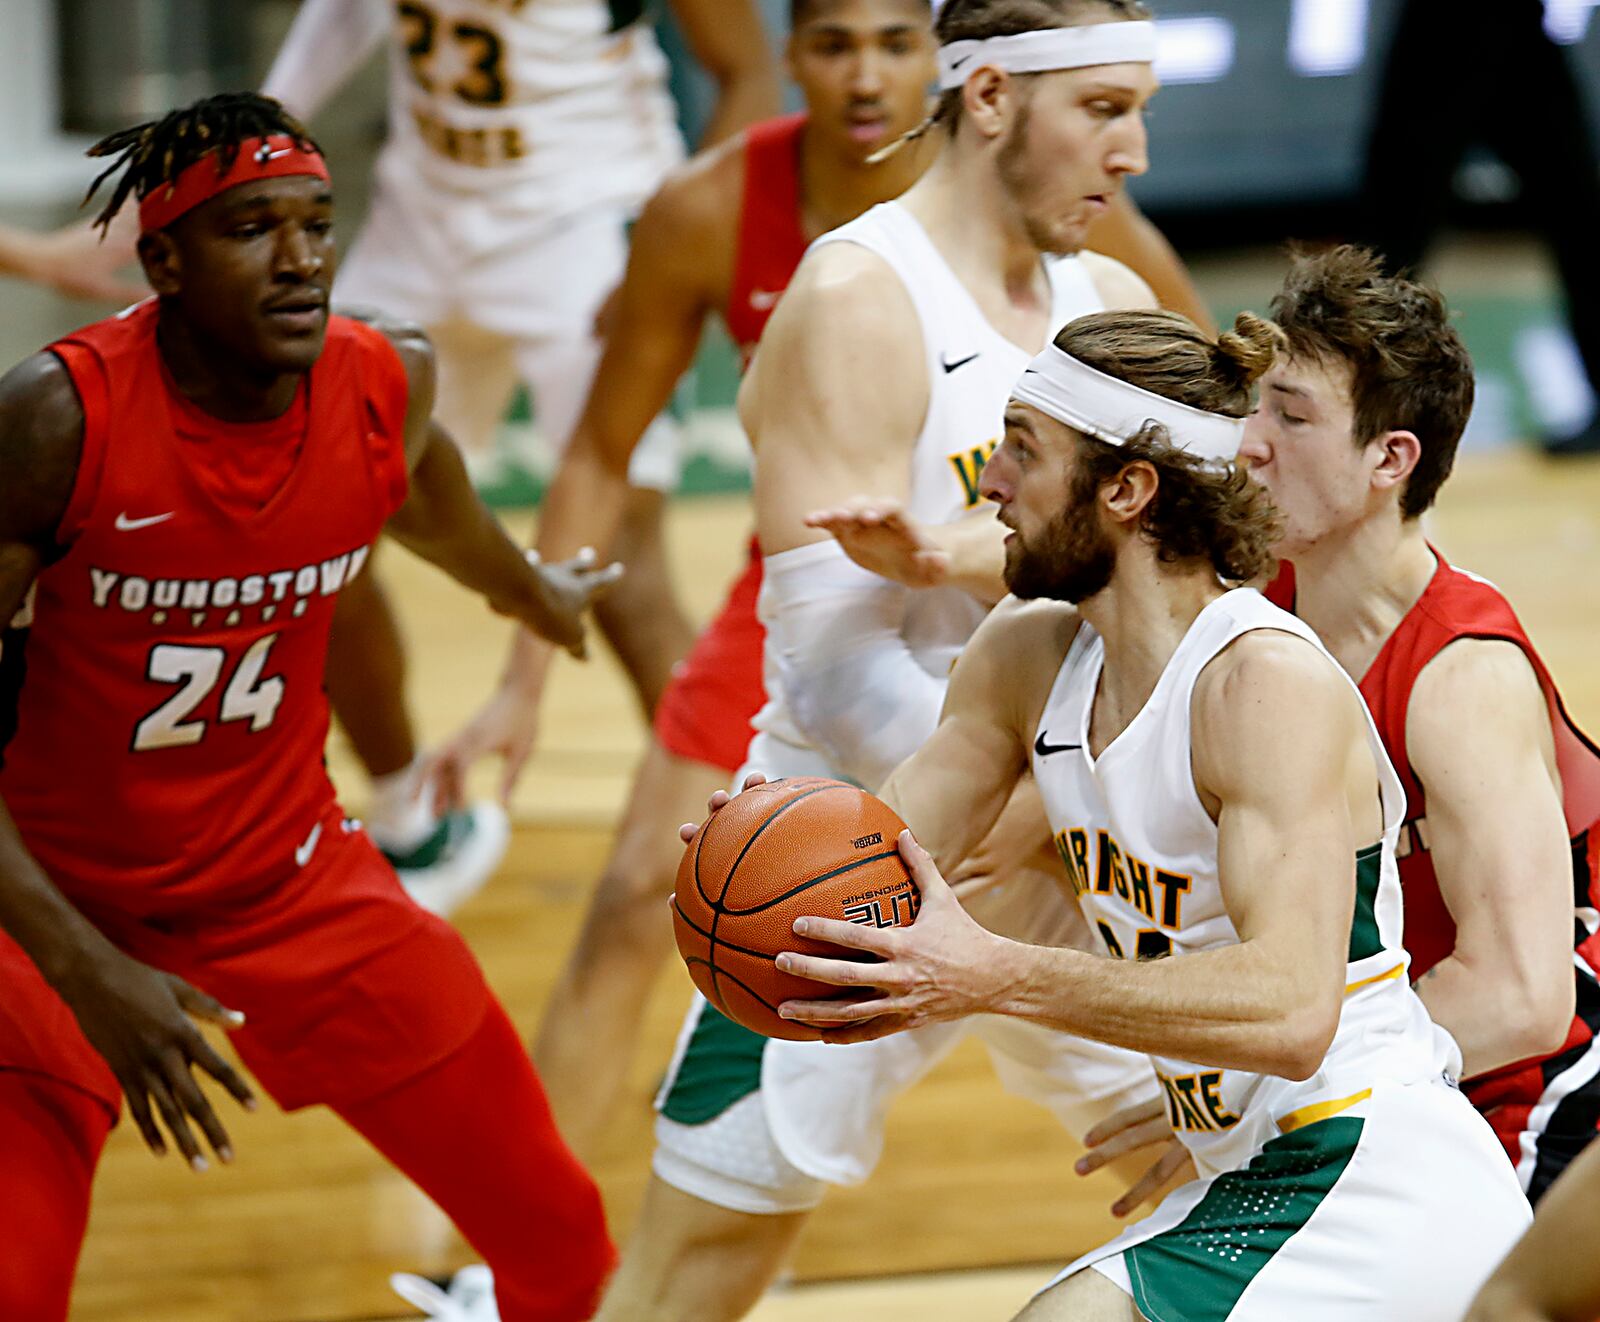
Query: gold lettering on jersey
[1194, 1102]
[109, 589]
[1155, 893]
[969, 468]
[481, 147]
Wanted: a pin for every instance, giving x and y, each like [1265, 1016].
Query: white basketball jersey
[565, 100]
[971, 369]
[1142, 854]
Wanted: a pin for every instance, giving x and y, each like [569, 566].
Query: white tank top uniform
[800, 1114]
[971, 369]
[1414, 1202]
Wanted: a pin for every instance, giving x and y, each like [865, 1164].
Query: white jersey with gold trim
[1141, 851]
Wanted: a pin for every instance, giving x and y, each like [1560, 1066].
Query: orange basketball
[803, 847]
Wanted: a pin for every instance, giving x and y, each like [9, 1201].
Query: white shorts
[1396, 1210]
[505, 298]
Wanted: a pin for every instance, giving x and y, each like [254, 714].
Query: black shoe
[1586, 440]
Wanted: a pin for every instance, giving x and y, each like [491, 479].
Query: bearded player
[1222, 800]
[187, 488]
[724, 235]
[885, 369]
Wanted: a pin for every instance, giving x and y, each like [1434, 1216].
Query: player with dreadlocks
[184, 490]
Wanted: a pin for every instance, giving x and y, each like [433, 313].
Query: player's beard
[1070, 560]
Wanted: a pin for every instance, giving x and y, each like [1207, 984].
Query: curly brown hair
[1199, 511]
[1409, 369]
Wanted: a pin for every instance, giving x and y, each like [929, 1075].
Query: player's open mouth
[1098, 201]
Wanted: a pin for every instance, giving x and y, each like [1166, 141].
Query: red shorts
[715, 692]
[347, 987]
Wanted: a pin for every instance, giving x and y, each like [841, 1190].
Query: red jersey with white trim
[771, 240]
[1456, 605]
[170, 713]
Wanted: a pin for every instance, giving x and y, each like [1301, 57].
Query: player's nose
[1256, 447]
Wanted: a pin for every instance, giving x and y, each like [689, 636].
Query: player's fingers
[199, 1005]
[586, 557]
[173, 1118]
[752, 780]
[207, 1058]
[825, 1012]
[852, 936]
[717, 801]
[1129, 1140]
[687, 832]
[1153, 1181]
[919, 862]
[515, 760]
[443, 773]
[139, 1109]
[195, 1103]
[838, 972]
[1151, 1108]
[869, 1030]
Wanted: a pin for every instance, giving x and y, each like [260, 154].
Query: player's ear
[1397, 453]
[1126, 496]
[990, 99]
[158, 255]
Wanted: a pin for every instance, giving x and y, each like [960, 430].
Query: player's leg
[51, 1135]
[475, 1133]
[693, 1261]
[591, 1023]
[1086, 1296]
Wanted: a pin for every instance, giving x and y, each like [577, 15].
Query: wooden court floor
[308, 1222]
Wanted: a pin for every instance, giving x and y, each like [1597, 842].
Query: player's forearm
[1497, 1014]
[748, 93]
[446, 523]
[327, 42]
[1238, 1007]
[59, 940]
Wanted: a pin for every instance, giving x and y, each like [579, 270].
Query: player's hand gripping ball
[787, 849]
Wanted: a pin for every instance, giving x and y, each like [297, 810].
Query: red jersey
[170, 715]
[771, 241]
[1457, 605]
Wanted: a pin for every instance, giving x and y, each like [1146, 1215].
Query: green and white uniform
[1372, 1189]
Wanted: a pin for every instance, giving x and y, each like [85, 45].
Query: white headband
[1070, 391]
[1076, 47]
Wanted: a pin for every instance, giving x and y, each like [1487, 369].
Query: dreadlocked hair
[978, 20]
[154, 154]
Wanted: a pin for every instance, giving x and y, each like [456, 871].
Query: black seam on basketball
[695, 927]
[716, 905]
[807, 885]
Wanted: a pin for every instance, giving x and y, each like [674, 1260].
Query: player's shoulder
[849, 281]
[1117, 284]
[1265, 673]
[1483, 675]
[381, 334]
[700, 198]
[41, 441]
[1022, 638]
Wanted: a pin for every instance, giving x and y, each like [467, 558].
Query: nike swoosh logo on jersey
[959, 362]
[764, 300]
[1044, 749]
[125, 524]
[268, 154]
[303, 853]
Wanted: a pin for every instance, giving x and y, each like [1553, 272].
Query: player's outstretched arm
[136, 1017]
[1269, 718]
[327, 42]
[76, 260]
[1552, 1274]
[446, 522]
[730, 43]
[833, 403]
[651, 336]
[1498, 836]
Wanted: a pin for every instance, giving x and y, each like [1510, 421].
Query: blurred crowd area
[1260, 136]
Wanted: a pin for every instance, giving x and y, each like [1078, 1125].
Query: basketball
[801, 847]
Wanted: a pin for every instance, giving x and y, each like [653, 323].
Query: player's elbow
[1301, 1038]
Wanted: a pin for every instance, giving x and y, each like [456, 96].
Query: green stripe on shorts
[721, 1065]
[1196, 1271]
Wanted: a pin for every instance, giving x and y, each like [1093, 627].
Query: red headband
[258, 158]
